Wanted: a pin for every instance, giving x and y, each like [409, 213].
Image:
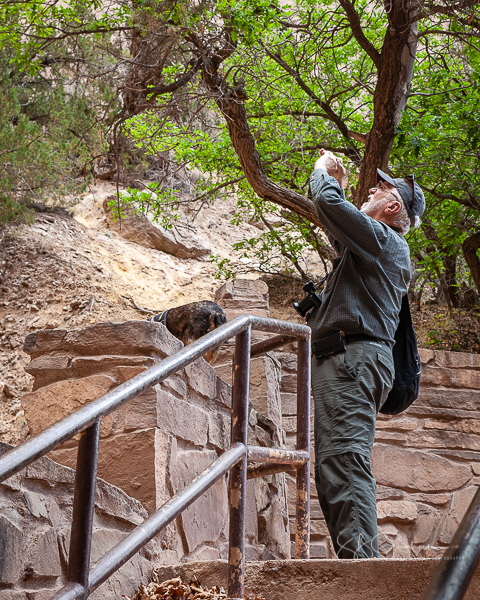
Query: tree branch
[471, 202]
[363, 42]
[443, 10]
[330, 114]
[230, 102]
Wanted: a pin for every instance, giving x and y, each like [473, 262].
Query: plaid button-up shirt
[363, 294]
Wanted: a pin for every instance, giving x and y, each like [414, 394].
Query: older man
[360, 307]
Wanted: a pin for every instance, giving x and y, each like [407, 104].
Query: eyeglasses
[382, 186]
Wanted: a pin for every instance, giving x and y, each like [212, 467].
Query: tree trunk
[230, 101]
[395, 73]
[447, 280]
[470, 247]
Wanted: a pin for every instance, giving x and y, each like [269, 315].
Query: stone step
[367, 579]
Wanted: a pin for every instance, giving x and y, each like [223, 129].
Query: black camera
[311, 300]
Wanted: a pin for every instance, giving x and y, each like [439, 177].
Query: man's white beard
[371, 207]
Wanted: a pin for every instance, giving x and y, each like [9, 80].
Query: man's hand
[333, 165]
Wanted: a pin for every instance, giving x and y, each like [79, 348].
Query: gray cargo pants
[349, 388]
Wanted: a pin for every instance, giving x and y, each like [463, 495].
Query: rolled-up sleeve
[357, 231]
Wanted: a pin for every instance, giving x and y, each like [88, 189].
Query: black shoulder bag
[408, 368]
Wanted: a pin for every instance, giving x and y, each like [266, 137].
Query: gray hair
[402, 220]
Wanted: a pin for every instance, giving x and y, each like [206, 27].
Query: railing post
[302, 529]
[83, 507]
[238, 474]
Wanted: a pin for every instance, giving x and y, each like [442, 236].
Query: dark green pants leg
[349, 388]
[346, 491]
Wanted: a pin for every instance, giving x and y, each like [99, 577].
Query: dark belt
[363, 336]
[329, 344]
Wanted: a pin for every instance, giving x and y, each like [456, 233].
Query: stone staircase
[366, 579]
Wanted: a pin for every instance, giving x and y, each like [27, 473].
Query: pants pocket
[386, 371]
[353, 422]
[353, 359]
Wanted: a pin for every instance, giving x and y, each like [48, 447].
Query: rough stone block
[219, 430]
[402, 546]
[130, 338]
[49, 368]
[287, 360]
[52, 403]
[443, 439]
[318, 528]
[176, 385]
[203, 521]
[398, 424]
[204, 553]
[180, 418]
[135, 462]
[453, 360]
[457, 378]
[224, 372]
[265, 388]
[251, 511]
[126, 580]
[390, 436]
[224, 392]
[289, 403]
[289, 383]
[445, 398]
[318, 550]
[141, 412]
[43, 559]
[273, 530]
[385, 544]
[35, 504]
[44, 342]
[396, 511]
[243, 296]
[115, 503]
[432, 498]
[243, 289]
[201, 377]
[423, 529]
[463, 425]
[388, 493]
[83, 366]
[460, 503]
[11, 551]
[416, 471]
[289, 424]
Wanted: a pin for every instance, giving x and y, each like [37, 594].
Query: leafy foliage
[54, 109]
[308, 77]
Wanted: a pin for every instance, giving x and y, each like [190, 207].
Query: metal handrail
[81, 580]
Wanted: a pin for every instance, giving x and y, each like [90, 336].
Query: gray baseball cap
[410, 192]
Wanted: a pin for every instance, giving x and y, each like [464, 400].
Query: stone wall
[36, 509]
[159, 442]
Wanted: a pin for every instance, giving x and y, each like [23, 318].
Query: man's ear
[392, 208]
